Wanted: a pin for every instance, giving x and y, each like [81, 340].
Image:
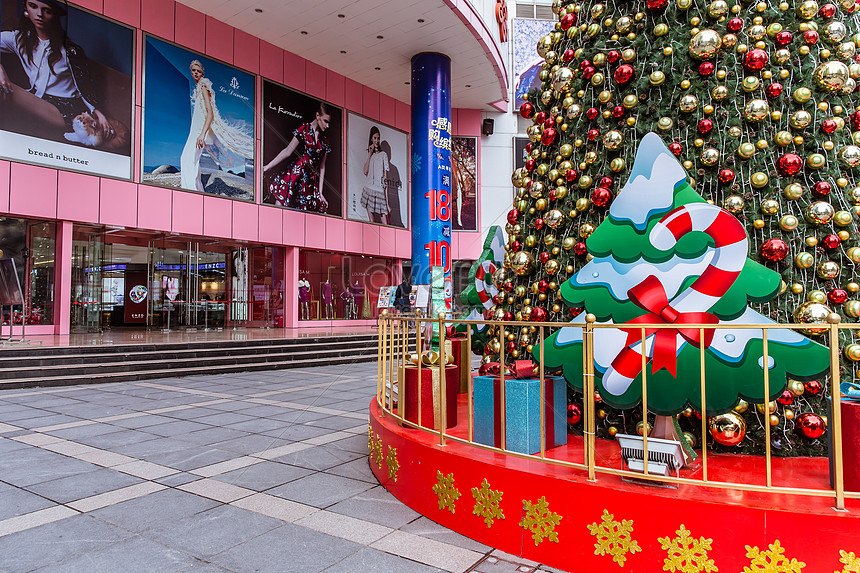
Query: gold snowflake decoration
[391, 462]
[487, 503]
[376, 451]
[851, 562]
[686, 554]
[445, 491]
[370, 438]
[772, 560]
[614, 538]
[540, 520]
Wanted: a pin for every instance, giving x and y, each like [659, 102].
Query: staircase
[61, 366]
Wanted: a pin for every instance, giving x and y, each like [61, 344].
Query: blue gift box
[522, 412]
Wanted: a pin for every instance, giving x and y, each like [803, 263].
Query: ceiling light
[343, 51]
[341, 15]
[258, 10]
[304, 33]
[420, 20]
[407, 83]
[377, 68]
[468, 85]
[379, 37]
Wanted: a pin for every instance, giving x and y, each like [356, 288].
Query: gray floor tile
[299, 416]
[356, 443]
[357, 469]
[213, 531]
[264, 475]
[143, 421]
[119, 437]
[293, 548]
[175, 480]
[320, 458]
[298, 432]
[191, 457]
[377, 506]
[23, 467]
[320, 490]
[177, 428]
[154, 510]
[368, 559]
[222, 419]
[83, 485]
[251, 443]
[18, 502]
[130, 556]
[432, 530]
[212, 436]
[48, 544]
[260, 425]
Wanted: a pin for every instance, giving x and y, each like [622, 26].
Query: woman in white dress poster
[227, 145]
[374, 196]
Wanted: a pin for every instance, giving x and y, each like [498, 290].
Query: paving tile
[225, 466]
[191, 457]
[29, 466]
[357, 469]
[353, 444]
[345, 527]
[431, 530]
[251, 443]
[320, 490]
[142, 421]
[281, 451]
[276, 507]
[18, 502]
[119, 437]
[104, 458]
[145, 470]
[83, 485]
[378, 506]
[295, 548]
[135, 554]
[35, 519]
[263, 475]
[40, 546]
[212, 436]
[320, 458]
[116, 496]
[217, 490]
[154, 510]
[213, 531]
[221, 419]
[373, 560]
[428, 551]
[260, 425]
[177, 479]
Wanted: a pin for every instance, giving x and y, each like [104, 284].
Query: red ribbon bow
[519, 369]
[651, 296]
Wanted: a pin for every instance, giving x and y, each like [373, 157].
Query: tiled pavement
[237, 472]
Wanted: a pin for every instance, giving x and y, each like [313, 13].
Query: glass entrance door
[88, 261]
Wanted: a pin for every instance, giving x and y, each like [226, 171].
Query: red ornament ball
[508, 316]
[580, 249]
[811, 425]
[656, 5]
[706, 69]
[606, 182]
[530, 165]
[838, 296]
[516, 246]
[574, 414]
[735, 25]
[543, 257]
[539, 314]
[542, 285]
[568, 20]
[813, 387]
[568, 55]
[623, 74]
[510, 346]
[584, 64]
[830, 242]
[675, 148]
[572, 175]
[827, 11]
[705, 126]
[828, 125]
[613, 56]
[773, 90]
[601, 197]
[538, 224]
[784, 38]
[513, 215]
[618, 112]
[855, 120]
[810, 37]
[592, 113]
[726, 176]
[540, 117]
[592, 134]
[588, 72]
[822, 189]
[508, 286]
[774, 250]
[527, 110]
[548, 136]
[755, 60]
[789, 164]
[786, 399]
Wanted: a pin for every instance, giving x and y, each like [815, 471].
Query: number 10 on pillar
[439, 252]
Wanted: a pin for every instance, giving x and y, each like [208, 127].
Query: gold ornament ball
[759, 223]
[843, 219]
[804, 260]
[642, 427]
[771, 407]
[727, 429]
[551, 267]
[756, 110]
[849, 156]
[568, 243]
[818, 296]
[583, 204]
[827, 270]
[522, 263]
[585, 230]
[665, 123]
[742, 406]
[770, 206]
[691, 439]
[796, 387]
[733, 204]
[657, 78]
[852, 352]
[852, 287]
[797, 288]
[788, 413]
[613, 139]
[612, 430]
[530, 241]
[852, 308]
[553, 218]
[710, 156]
[783, 138]
[759, 179]
[750, 84]
[793, 191]
[834, 32]
[831, 76]
[854, 254]
[705, 44]
[720, 92]
[718, 9]
[773, 420]
[618, 164]
[807, 9]
[811, 241]
[746, 150]
[561, 79]
[788, 222]
[810, 314]
[819, 212]
[853, 195]
[688, 103]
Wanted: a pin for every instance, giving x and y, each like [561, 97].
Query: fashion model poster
[65, 88]
[464, 183]
[198, 123]
[377, 172]
[527, 62]
[302, 152]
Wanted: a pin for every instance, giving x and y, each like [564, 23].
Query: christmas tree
[756, 100]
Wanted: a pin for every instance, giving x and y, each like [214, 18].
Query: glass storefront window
[31, 244]
[335, 286]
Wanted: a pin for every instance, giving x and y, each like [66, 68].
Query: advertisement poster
[464, 184]
[78, 119]
[183, 94]
[377, 177]
[527, 62]
[302, 151]
[386, 297]
[520, 153]
[134, 311]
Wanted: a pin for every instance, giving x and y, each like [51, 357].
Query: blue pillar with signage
[431, 168]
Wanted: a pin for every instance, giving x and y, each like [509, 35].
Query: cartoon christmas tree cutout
[480, 292]
[663, 255]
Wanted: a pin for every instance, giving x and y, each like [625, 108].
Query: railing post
[836, 410]
[443, 383]
[644, 404]
[588, 398]
[502, 420]
[469, 398]
[542, 397]
[767, 446]
[380, 390]
[704, 408]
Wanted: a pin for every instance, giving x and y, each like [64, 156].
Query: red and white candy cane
[691, 305]
[484, 283]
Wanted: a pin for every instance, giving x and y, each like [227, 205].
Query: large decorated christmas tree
[757, 101]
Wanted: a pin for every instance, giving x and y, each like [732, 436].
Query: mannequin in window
[326, 292]
[346, 297]
[304, 298]
[357, 298]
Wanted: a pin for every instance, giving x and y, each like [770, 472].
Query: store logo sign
[502, 19]
[234, 83]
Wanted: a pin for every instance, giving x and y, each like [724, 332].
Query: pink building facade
[86, 235]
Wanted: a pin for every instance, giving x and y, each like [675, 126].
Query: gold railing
[399, 334]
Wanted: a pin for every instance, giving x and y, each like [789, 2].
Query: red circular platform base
[554, 515]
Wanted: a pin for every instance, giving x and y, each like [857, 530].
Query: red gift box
[851, 444]
[431, 410]
[462, 359]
